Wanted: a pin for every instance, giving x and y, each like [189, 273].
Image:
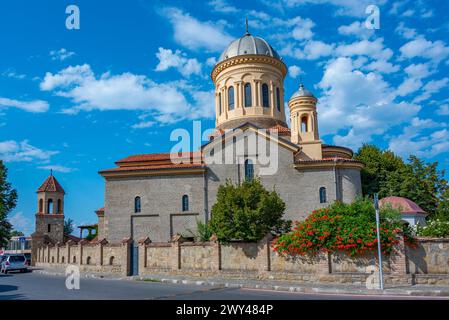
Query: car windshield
[17, 258]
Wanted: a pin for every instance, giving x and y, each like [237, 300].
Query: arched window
[88, 260]
[231, 98]
[248, 101]
[59, 208]
[249, 170]
[50, 206]
[265, 96]
[74, 259]
[323, 195]
[304, 125]
[48, 227]
[278, 99]
[219, 103]
[111, 261]
[52, 259]
[185, 203]
[41, 205]
[137, 205]
[62, 260]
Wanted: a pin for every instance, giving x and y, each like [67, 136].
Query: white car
[14, 262]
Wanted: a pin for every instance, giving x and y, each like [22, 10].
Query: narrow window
[304, 126]
[88, 260]
[265, 96]
[50, 206]
[41, 205]
[249, 170]
[185, 203]
[231, 98]
[278, 99]
[111, 261]
[323, 195]
[137, 206]
[219, 103]
[62, 259]
[48, 227]
[59, 208]
[248, 101]
[74, 259]
[52, 259]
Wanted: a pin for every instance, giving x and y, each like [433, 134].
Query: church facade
[150, 195]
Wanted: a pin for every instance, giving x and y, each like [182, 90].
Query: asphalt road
[35, 286]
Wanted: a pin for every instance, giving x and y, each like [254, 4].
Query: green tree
[8, 200]
[16, 233]
[247, 212]
[379, 164]
[68, 226]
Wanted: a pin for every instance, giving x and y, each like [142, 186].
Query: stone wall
[428, 263]
[95, 257]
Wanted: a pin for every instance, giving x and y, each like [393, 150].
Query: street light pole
[379, 247]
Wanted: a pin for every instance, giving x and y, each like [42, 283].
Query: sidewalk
[286, 286]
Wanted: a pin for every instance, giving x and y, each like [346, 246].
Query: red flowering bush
[349, 228]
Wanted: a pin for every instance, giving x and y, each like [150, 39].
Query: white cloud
[405, 32]
[57, 168]
[143, 125]
[357, 29]
[194, 34]
[35, 106]
[12, 151]
[364, 104]
[173, 101]
[178, 60]
[303, 29]
[61, 54]
[21, 223]
[345, 7]
[222, 6]
[294, 71]
[212, 61]
[11, 73]
[382, 66]
[413, 81]
[422, 48]
[373, 49]
[430, 88]
[419, 139]
[443, 110]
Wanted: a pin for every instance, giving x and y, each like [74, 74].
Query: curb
[279, 288]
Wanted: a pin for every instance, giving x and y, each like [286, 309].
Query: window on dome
[219, 103]
[304, 126]
[248, 101]
[265, 96]
[231, 98]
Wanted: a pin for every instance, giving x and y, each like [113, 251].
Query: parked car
[14, 262]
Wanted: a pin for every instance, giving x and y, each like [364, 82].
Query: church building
[150, 195]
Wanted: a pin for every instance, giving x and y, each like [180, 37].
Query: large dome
[248, 45]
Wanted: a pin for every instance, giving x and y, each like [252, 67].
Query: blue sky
[78, 100]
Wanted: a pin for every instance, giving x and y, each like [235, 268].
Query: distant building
[18, 244]
[410, 211]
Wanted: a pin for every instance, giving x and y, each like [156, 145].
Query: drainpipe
[337, 188]
[205, 197]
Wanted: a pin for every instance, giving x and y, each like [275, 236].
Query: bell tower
[304, 123]
[50, 210]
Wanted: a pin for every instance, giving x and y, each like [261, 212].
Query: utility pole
[379, 247]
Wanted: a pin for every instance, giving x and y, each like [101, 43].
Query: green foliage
[247, 212]
[8, 200]
[16, 233]
[437, 227]
[203, 231]
[92, 235]
[349, 228]
[68, 226]
[386, 174]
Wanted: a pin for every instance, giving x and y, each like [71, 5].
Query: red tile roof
[404, 205]
[51, 185]
[154, 167]
[281, 130]
[157, 157]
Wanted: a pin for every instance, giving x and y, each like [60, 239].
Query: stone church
[150, 195]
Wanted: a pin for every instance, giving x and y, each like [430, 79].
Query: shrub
[437, 227]
[349, 228]
[203, 231]
[247, 212]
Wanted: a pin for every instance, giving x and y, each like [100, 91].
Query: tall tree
[8, 200]
[68, 226]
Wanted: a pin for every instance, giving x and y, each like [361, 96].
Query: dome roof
[404, 205]
[302, 92]
[248, 45]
